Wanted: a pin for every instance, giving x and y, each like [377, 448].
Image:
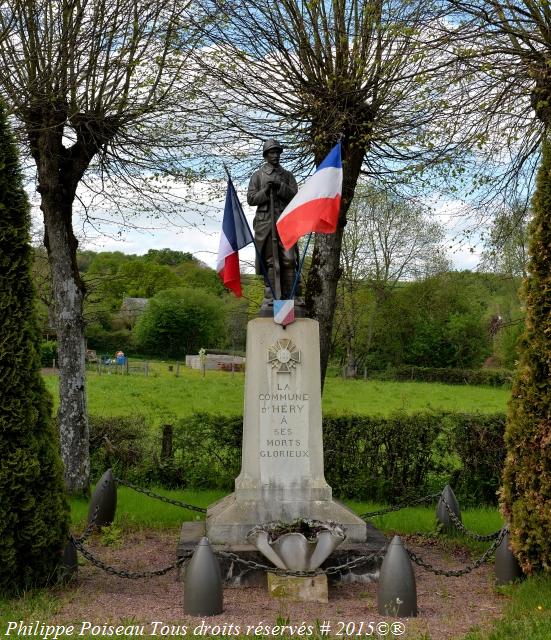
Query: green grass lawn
[161, 394]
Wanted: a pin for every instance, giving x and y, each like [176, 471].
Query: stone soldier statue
[271, 188]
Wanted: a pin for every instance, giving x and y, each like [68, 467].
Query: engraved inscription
[284, 415]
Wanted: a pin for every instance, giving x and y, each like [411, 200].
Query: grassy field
[161, 394]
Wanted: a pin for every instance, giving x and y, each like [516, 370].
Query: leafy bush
[177, 322]
[478, 442]
[48, 352]
[366, 457]
[126, 445]
[491, 377]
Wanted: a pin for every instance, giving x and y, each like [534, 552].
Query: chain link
[461, 527]
[497, 537]
[152, 494]
[123, 573]
[351, 564]
[89, 528]
[455, 573]
[371, 514]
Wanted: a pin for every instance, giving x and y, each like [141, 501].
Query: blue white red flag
[284, 312]
[317, 204]
[235, 235]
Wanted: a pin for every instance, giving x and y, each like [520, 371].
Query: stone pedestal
[297, 589]
[282, 458]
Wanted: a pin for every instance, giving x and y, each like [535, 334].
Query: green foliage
[492, 377]
[180, 321]
[48, 352]
[478, 442]
[366, 457]
[168, 257]
[440, 322]
[33, 507]
[526, 495]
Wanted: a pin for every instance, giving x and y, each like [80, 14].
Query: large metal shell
[104, 499]
[397, 594]
[203, 590]
[507, 568]
[442, 513]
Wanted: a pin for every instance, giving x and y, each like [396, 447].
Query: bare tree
[503, 87]
[92, 85]
[369, 70]
[506, 245]
[387, 240]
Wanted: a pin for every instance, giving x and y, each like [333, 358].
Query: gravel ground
[448, 607]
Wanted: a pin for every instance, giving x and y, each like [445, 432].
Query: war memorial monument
[282, 471]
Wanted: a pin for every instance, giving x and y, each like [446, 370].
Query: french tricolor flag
[235, 235]
[316, 206]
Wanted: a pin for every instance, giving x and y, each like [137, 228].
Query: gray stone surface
[282, 475]
[237, 573]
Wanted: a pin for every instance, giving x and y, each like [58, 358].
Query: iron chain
[351, 564]
[371, 514]
[123, 573]
[152, 494]
[455, 573]
[89, 528]
[461, 527]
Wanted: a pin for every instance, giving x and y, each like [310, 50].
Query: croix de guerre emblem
[284, 356]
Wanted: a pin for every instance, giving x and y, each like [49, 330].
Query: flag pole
[340, 138]
[299, 270]
[260, 259]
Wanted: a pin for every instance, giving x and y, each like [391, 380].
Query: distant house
[132, 309]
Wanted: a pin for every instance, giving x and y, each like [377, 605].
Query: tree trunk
[321, 293]
[325, 270]
[68, 294]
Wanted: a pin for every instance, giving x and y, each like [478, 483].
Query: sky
[200, 235]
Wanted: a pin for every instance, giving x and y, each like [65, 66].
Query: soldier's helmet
[269, 145]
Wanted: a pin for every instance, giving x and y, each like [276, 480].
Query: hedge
[366, 457]
[491, 377]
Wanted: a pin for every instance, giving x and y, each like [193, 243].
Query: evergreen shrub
[526, 495]
[33, 504]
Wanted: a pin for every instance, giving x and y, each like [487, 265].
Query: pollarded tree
[92, 84]
[308, 72]
[526, 493]
[33, 506]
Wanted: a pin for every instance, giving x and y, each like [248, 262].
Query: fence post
[126, 368]
[177, 369]
[166, 443]
[146, 368]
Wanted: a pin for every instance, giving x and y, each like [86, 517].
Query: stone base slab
[229, 520]
[237, 573]
[297, 589]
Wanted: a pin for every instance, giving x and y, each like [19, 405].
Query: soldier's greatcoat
[258, 195]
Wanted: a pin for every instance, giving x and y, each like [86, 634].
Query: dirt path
[448, 607]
